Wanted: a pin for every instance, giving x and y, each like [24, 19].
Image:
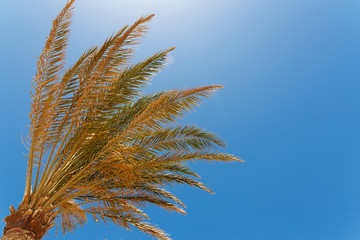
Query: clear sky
[290, 108]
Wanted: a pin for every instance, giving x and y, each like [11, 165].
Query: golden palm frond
[98, 145]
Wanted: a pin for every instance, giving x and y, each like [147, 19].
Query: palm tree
[98, 146]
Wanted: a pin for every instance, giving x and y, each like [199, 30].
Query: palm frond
[124, 219]
[45, 84]
[180, 138]
[71, 216]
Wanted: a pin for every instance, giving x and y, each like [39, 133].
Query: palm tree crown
[99, 146]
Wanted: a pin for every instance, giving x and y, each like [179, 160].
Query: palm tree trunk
[25, 223]
[18, 234]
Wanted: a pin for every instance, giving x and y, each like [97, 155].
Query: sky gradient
[290, 108]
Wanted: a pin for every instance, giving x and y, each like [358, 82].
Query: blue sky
[290, 108]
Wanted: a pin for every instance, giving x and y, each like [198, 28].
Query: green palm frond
[98, 145]
[180, 138]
